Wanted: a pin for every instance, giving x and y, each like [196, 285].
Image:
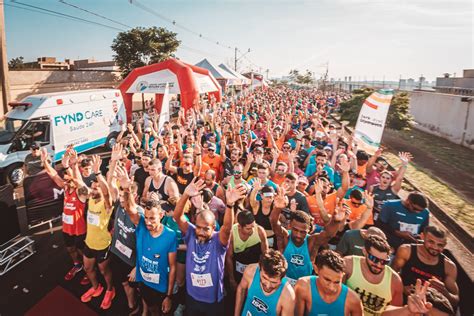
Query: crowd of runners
[257, 205]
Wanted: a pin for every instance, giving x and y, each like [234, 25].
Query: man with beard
[211, 184]
[230, 163]
[372, 279]
[236, 178]
[185, 174]
[403, 220]
[427, 262]
[98, 238]
[141, 174]
[206, 251]
[248, 241]
[293, 194]
[264, 289]
[385, 190]
[123, 246]
[300, 248]
[163, 185]
[156, 251]
[73, 216]
[325, 294]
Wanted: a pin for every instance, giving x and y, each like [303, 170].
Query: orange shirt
[361, 169]
[357, 211]
[329, 205]
[204, 168]
[284, 158]
[214, 162]
[278, 179]
[279, 142]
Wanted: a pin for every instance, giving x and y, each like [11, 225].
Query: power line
[67, 15]
[93, 13]
[178, 25]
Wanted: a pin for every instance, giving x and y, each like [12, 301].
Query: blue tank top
[299, 260]
[257, 302]
[320, 308]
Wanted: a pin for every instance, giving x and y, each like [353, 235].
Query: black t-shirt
[300, 199]
[380, 196]
[183, 179]
[140, 177]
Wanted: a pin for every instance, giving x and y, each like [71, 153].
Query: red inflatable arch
[186, 80]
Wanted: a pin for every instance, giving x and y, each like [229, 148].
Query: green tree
[306, 78]
[398, 116]
[143, 46]
[16, 63]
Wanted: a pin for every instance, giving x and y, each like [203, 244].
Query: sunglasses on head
[377, 260]
[357, 203]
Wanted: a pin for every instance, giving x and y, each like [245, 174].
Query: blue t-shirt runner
[299, 260]
[152, 256]
[259, 303]
[320, 307]
[204, 267]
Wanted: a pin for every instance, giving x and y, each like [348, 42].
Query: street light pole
[4, 63]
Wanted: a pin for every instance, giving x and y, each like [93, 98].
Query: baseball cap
[303, 179]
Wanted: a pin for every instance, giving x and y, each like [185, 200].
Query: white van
[85, 119]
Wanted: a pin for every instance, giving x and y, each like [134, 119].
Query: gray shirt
[123, 239]
[351, 243]
[33, 165]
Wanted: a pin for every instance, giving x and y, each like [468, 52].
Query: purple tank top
[204, 267]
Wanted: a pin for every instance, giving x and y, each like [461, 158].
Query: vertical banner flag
[165, 108]
[371, 121]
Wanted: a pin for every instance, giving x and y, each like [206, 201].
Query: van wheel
[111, 141]
[14, 174]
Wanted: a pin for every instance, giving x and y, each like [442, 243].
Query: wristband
[97, 173]
[230, 206]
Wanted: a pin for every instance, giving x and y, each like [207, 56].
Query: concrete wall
[444, 115]
[27, 82]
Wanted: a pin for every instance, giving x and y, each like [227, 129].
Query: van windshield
[8, 128]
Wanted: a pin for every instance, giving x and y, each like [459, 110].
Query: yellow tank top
[239, 244]
[374, 297]
[98, 236]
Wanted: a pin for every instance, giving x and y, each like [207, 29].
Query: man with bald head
[206, 250]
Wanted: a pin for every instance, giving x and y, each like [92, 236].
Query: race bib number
[411, 228]
[201, 280]
[240, 267]
[93, 219]
[292, 281]
[126, 251]
[68, 219]
[150, 277]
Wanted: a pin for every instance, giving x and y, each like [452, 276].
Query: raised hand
[122, 176]
[319, 187]
[45, 156]
[344, 165]
[405, 157]
[378, 153]
[96, 163]
[232, 195]
[73, 159]
[369, 199]
[257, 184]
[340, 212]
[64, 159]
[417, 303]
[117, 152]
[130, 127]
[281, 200]
[195, 187]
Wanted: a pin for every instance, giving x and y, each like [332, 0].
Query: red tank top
[73, 214]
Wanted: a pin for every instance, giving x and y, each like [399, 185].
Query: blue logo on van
[76, 117]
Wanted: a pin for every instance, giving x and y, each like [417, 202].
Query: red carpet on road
[60, 302]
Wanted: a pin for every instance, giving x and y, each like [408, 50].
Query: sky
[364, 39]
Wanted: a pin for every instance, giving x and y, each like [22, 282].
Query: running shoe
[72, 273]
[86, 297]
[108, 297]
[85, 280]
